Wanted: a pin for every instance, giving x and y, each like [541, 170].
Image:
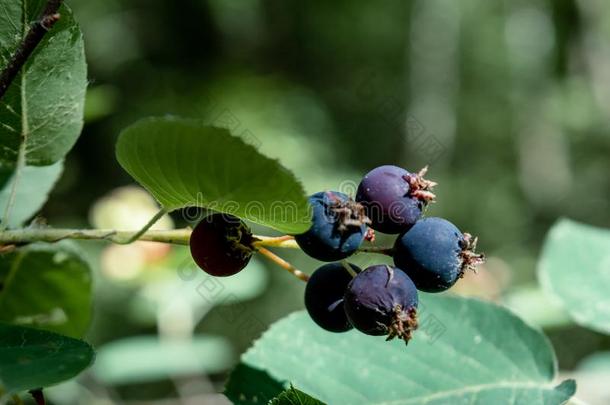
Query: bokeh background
[507, 101]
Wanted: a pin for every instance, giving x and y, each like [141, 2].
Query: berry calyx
[419, 187]
[470, 259]
[324, 296]
[382, 300]
[435, 254]
[393, 198]
[339, 225]
[221, 245]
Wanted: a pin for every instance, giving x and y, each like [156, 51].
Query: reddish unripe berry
[221, 245]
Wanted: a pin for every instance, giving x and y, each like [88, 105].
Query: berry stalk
[283, 264]
[285, 241]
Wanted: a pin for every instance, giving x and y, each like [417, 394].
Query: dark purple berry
[434, 253]
[221, 245]
[394, 198]
[324, 296]
[382, 300]
[338, 227]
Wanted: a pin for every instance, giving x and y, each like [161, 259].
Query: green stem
[173, 236]
[283, 264]
[11, 237]
[51, 235]
[349, 268]
[286, 241]
[145, 228]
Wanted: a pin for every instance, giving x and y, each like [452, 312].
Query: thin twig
[33, 37]
[283, 264]
[160, 214]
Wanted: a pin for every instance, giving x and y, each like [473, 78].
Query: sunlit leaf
[184, 163]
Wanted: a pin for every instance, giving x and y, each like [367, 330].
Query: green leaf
[292, 396]
[34, 186]
[249, 385]
[146, 358]
[574, 269]
[33, 358]
[465, 351]
[46, 286]
[41, 114]
[184, 163]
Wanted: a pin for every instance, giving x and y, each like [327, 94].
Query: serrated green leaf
[292, 396]
[46, 286]
[146, 358]
[34, 185]
[466, 351]
[574, 268]
[43, 107]
[185, 163]
[32, 358]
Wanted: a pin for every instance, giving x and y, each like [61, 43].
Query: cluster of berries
[430, 254]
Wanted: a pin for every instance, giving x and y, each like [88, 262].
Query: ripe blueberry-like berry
[338, 227]
[382, 300]
[394, 198]
[434, 253]
[324, 296]
[221, 244]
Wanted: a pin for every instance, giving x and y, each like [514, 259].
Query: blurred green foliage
[507, 101]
